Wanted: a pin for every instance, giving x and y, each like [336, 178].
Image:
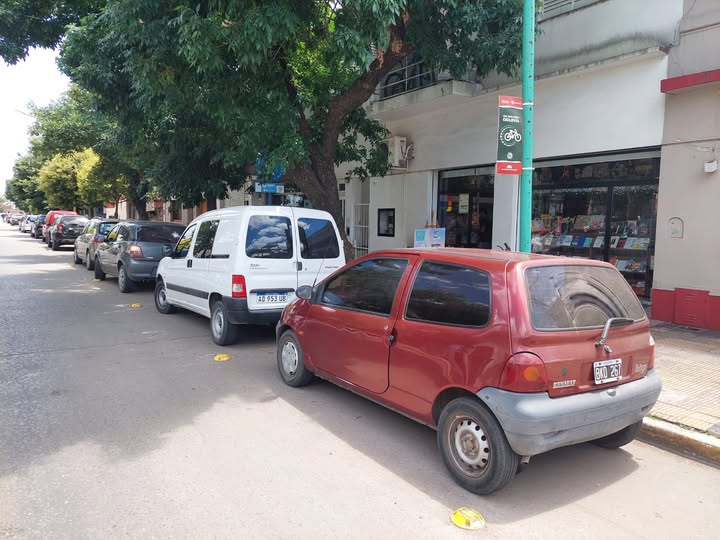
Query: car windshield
[167, 234]
[564, 297]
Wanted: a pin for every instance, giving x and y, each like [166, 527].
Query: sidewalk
[688, 361]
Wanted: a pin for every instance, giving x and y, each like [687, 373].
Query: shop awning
[676, 85]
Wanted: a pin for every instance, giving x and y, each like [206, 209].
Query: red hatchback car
[507, 355]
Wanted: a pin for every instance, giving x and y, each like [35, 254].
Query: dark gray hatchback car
[132, 250]
[92, 236]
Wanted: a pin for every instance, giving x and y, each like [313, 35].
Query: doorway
[465, 207]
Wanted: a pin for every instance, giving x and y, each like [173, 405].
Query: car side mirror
[305, 292]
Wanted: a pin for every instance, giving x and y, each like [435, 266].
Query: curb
[697, 446]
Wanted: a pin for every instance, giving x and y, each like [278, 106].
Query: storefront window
[571, 205]
[465, 208]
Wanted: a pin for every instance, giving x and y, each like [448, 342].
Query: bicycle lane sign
[510, 136]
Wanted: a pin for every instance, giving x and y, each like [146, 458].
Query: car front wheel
[474, 447]
[290, 361]
[161, 301]
[222, 330]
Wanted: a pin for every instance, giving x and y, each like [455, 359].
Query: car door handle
[299, 265]
[391, 338]
[189, 263]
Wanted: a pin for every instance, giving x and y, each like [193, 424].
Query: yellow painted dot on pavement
[135, 305]
[467, 518]
[96, 279]
[221, 357]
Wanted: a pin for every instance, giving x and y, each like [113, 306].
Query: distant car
[91, 237]
[507, 355]
[28, 223]
[132, 250]
[36, 230]
[15, 219]
[50, 218]
[66, 229]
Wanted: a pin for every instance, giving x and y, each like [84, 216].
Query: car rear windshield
[565, 297]
[82, 220]
[168, 234]
[105, 227]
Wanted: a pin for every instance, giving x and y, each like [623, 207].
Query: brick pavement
[688, 361]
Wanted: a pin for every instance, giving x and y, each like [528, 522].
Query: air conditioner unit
[397, 152]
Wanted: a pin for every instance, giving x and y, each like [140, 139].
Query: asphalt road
[115, 422]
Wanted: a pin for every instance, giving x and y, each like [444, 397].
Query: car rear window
[566, 297]
[269, 237]
[82, 220]
[105, 227]
[317, 239]
[167, 234]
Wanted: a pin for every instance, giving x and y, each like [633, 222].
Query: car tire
[55, 245]
[76, 260]
[161, 302]
[290, 361]
[474, 447]
[125, 284]
[89, 263]
[99, 274]
[222, 330]
[619, 438]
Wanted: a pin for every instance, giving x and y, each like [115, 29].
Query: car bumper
[239, 313]
[141, 270]
[535, 423]
[64, 240]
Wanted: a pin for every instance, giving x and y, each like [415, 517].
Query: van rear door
[270, 261]
[320, 252]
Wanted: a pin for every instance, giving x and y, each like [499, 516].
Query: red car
[507, 355]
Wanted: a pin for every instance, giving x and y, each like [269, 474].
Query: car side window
[205, 239]
[183, 245]
[89, 228]
[367, 286]
[113, 234]
[450, 294]
[317, 239]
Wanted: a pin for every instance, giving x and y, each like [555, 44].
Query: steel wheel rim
[162, 297]
[469, 446]
[218, 322]
[290, 358]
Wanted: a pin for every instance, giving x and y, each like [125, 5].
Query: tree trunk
[136, 199]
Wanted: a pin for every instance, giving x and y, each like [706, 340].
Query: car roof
[472, 256]
[285, 211]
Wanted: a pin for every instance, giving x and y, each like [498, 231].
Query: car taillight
[59, 228]
[524, 372]
[238, 287]
[96, 240]
[135, 252]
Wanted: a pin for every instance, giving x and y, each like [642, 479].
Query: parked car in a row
[36, 230]
[26, 223]
[66, 229]
[132, 250]
[50, 219]
[92, 236]
[242, 265]
[507, 355]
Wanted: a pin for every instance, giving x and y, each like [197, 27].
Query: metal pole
[528, 94]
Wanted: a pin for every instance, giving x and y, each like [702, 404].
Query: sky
[36, 79]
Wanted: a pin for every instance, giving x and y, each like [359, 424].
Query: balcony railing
[553, 8]
[411, 75]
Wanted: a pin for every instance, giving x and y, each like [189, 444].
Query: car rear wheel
[222, 330]
[619, 438]
[77, 259]
[99, 274]
[290, 361]
[161, 301]
[474, 447]
[89, 264]
[125, 284]
[55, 245]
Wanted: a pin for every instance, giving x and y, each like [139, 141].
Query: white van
[242, 265]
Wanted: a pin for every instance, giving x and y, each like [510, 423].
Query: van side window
[183, 245]
[269, 237]
[205, 239]
[317, 239]
[450, 294]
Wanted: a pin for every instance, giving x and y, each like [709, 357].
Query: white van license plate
[272, 298]
[607, 370]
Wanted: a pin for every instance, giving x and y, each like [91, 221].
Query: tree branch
[303, 125]
[361, 90]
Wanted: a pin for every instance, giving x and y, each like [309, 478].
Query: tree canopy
[207, 93]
